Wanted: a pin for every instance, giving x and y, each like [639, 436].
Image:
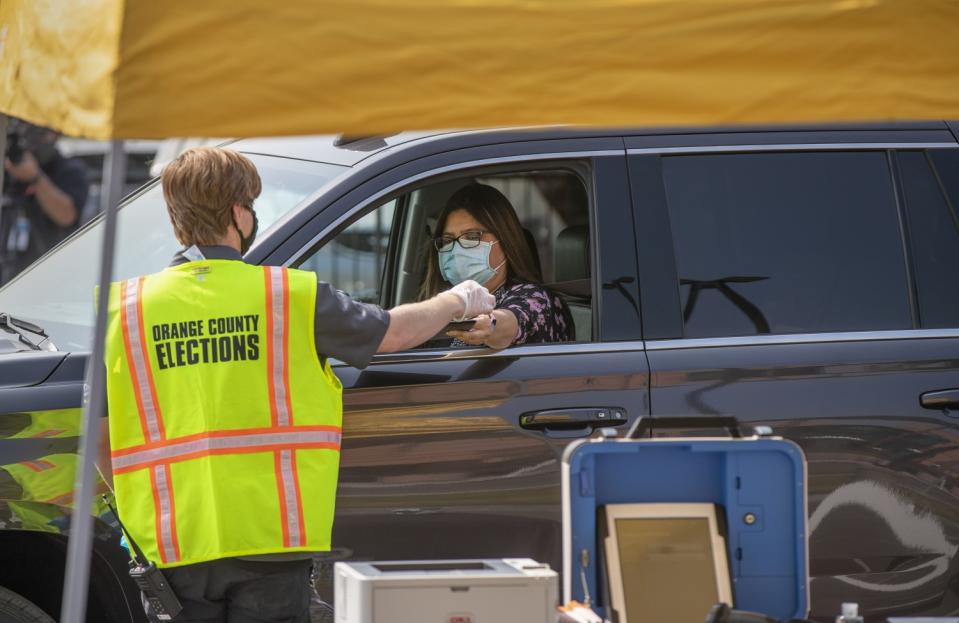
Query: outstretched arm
[414, 323]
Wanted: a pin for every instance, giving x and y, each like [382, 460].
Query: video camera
[16, 147]
[22, 137]
[15, 142]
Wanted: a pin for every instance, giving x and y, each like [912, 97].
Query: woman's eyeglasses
[467, 240]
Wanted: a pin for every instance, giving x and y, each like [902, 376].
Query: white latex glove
[476, 299]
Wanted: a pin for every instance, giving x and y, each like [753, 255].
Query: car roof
[351, 151]
[335, 149]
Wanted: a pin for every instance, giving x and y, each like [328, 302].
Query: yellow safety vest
[224, 426]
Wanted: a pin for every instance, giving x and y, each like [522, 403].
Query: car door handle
[572, 419]
[944, 399]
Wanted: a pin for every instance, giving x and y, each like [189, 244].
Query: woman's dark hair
[493, 211]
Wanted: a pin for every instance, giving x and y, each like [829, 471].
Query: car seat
[533, 249]
[571, 268]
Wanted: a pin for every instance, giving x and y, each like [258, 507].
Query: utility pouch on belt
[163, 602]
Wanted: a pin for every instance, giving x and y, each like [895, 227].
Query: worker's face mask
[459, 264]
[247, 241]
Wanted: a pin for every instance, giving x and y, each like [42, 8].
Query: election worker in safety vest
[224, 413]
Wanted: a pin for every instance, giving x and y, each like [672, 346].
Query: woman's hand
[483, 329]
[496, 330]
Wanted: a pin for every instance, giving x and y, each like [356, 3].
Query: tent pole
[4, 124]
[81, 524]
[3, 149]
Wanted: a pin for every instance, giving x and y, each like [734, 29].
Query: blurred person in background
[43, 193]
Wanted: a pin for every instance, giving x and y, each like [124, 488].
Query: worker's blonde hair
[201, 186]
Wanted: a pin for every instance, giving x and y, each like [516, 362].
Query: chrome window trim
[566, 348]
[722, 149]
[565, 155]
[593, 348]
[802, 338]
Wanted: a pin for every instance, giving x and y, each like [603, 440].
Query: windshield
[57, 292]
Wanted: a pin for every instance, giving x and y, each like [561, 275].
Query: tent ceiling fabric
[148, 69]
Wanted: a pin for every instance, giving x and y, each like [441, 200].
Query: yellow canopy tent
[152, 69]
[148, 69]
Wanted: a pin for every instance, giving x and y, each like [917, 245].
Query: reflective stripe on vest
[134, 341]
[226, 442]
[161, 448]
[141, 375]
[277, 319]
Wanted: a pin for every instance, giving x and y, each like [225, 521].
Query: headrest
[571, 254]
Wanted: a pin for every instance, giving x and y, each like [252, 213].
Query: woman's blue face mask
[459, 264]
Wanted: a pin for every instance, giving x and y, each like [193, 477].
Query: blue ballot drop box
[757, 483]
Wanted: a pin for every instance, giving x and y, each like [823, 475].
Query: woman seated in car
[479, 237]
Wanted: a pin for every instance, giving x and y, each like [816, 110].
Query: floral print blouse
[542, 315]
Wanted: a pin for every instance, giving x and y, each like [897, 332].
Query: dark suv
[804, 278]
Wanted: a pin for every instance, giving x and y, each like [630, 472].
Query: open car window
[381, 256]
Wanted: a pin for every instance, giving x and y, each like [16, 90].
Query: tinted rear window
[786, 243]
[930, 183]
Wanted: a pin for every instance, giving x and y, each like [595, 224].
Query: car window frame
[518, 159]
[658, 266]
[909, 213]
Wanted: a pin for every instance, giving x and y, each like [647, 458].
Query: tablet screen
[669, 565]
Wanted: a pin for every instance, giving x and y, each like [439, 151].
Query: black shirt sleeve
[346, 329]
